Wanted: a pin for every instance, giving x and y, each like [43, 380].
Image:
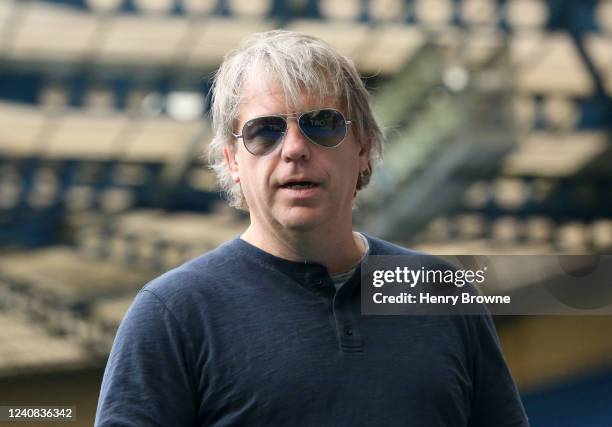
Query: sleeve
[496, 401]
[147, 381]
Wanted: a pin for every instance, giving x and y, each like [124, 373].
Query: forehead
[264, 93]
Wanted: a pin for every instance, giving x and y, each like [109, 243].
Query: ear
[364, 155]
[232, 164]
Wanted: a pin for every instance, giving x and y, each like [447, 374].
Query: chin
[300, 219]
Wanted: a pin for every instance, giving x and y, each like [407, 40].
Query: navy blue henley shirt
[241, 337]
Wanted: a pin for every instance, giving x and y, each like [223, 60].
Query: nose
[295, 146]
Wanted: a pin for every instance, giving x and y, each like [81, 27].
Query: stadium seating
[497, 116]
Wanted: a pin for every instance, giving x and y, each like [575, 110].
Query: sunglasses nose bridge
[288, 120]
[295, 143]
[297, 119]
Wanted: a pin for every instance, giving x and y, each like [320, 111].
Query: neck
[338, 250]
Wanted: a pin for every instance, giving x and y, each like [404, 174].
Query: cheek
[254, 175]
[350, 165]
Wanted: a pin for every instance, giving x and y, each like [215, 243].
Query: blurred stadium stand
[498, 115]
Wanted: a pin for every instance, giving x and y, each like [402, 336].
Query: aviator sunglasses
[326, 127]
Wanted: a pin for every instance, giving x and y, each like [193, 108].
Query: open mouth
[300, 185]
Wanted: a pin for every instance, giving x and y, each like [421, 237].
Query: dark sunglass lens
[324, 127]
[261, 134]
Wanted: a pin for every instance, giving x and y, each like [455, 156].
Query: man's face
[266, 180]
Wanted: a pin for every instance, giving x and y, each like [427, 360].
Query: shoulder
[186, 282]
[379, 247]
[174, 306]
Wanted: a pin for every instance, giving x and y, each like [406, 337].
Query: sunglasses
[326, 127]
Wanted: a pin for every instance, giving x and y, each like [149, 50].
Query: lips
[300, 188]
[299, 184]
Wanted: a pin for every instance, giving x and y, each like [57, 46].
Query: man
[267, 328]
